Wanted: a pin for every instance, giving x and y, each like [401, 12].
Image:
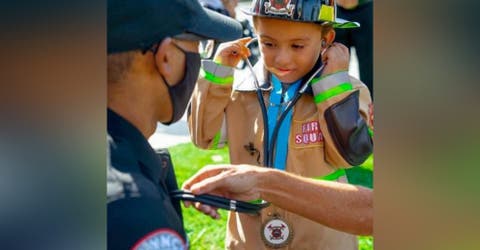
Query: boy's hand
[336, 58]
[230, 54]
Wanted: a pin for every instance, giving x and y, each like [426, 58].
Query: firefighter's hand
[336, 58]
[230, 181]
[230, 54]
[347, 4]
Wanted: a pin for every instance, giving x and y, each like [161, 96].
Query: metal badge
[276, 232]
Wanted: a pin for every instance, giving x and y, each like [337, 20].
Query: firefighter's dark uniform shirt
[140, 213]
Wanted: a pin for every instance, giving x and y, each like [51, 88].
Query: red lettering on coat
[298, 139]
[311, 133]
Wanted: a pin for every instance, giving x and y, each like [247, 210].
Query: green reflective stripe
[344, 87]
[215, 79]
[216, 139]
[257, 201]
[333, 176]
[315, 80]
[370, 132]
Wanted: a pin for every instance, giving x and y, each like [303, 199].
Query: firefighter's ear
[164, 57]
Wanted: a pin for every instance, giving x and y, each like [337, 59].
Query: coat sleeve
[206, 116]
[344, 103]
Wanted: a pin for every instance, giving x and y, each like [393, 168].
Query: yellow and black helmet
[318, 11]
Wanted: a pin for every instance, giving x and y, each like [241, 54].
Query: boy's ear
[163, 58]
[329, 36]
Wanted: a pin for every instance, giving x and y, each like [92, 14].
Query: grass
[205, 233]
[202, 231]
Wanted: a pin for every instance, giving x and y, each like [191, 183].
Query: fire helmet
[317, 11]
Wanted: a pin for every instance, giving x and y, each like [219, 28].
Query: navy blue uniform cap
[138, 24]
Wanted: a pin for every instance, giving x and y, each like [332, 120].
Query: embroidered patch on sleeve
[161, 239]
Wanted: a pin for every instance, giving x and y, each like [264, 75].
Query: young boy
[327, 130]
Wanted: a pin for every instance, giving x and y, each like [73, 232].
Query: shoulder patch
[161, 239]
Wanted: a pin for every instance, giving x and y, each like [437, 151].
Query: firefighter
[153, 65]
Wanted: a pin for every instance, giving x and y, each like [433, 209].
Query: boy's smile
[289, 49]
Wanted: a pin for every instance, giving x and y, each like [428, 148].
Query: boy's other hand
[336, 58]
[230, 54]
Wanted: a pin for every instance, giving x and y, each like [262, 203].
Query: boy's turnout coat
[221, 114]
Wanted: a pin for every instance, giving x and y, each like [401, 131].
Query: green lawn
[205, 233]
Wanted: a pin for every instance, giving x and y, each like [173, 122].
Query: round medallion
[276, 233]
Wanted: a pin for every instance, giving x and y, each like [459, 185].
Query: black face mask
[181, 92]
